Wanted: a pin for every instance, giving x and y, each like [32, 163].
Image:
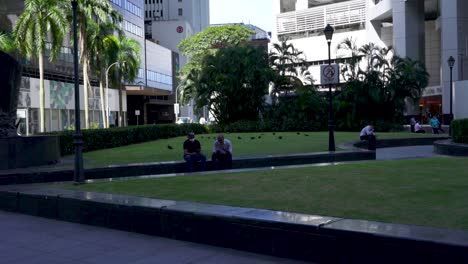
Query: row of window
[117, 2]
[159, 77]
[155, 77]
[132, 28]
[152, 14]
[61, 119]
[155, 1]
[132, 8]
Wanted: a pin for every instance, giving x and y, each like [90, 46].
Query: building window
[181, 12]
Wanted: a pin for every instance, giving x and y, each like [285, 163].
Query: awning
[145, 90]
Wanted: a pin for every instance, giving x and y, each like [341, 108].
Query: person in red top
[192, 152]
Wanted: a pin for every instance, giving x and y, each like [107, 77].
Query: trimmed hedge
[266, 126]
[95, 139]
[460, 131]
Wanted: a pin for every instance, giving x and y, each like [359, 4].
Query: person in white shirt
[418, 128]
[222, 152]
[367, 133]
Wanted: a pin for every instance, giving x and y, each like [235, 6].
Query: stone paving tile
[33, 240]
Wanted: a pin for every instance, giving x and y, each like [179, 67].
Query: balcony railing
[309, 20]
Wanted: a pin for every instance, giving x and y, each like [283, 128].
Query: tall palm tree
[91, 12]
[288, 63]
[6, 42]
[103, 45]
[128, 63]
[41, 21]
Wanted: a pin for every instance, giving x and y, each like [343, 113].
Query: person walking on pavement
[435, 124]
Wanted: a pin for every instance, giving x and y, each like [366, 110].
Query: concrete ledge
[23, 152]
[400, 142]
[447, 147]
[178, 167]
[292, 235]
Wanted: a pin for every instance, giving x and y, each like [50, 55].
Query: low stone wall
[180, 167]
[399, 142]
[447, 147]
[312, 238]
[23, 152]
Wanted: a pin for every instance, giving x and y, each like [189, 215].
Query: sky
[256, 12]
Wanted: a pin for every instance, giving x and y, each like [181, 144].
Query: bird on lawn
[169, 147]
[259, 137]
[252, 137]
[306, 135]
[280, 137]
[298, 133]
[239, 138]
[274, 133]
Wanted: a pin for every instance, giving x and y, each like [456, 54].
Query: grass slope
[244, 144]
[428, 192]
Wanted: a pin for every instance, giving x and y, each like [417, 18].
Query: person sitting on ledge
[222, 152]
[367, 133]
[418, 128]
[192, 152]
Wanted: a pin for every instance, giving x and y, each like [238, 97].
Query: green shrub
[460, 131]
[95, 139]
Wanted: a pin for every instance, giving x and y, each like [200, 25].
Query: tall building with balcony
[148, 94]
[168, 22]
[426, 30]
[148, 97]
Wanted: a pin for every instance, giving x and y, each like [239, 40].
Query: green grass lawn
[243, 145]
[431, 192]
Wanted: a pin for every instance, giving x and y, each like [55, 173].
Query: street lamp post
[107, 94]
[451, 63]
[176, 105]
[328, 31]
[78, 176]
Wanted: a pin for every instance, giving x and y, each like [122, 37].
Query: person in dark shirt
[192, 152]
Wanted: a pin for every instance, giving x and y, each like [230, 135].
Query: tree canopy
[213, 38]
[378, 91]
[232, 82]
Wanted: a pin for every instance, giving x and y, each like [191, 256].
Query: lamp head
[451, 61]
[328, 31]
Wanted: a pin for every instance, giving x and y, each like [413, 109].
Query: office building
[426, 30]
[146, 96]
[168, 22]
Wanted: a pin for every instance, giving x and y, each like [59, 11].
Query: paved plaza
[34, 240]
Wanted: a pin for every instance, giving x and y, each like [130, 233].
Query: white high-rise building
[426, 30]
[168, 22]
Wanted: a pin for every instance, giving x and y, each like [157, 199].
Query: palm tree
[6, 42]
[127, 67]
[91, 12]
[42, 21]
[103, 45]
[288, 63]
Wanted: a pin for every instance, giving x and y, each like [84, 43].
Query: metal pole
[78, 142]
[331, 136]
[451, 95]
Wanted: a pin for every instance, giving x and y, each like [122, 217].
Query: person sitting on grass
[192, 152]
[222, 152]
[368, 134]
[418, 128]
